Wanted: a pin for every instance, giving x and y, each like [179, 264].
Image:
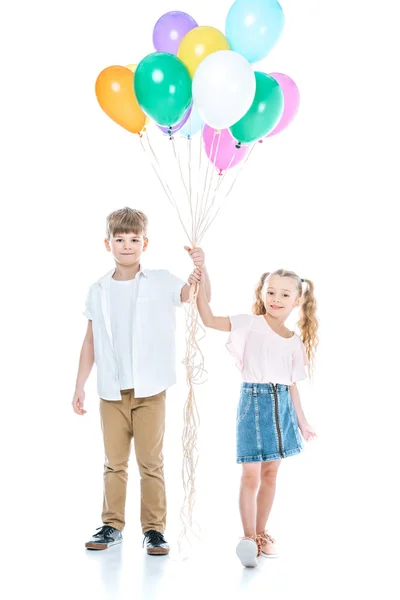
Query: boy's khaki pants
[142, 419]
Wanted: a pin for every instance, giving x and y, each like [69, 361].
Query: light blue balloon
[254, 26]
[193, 124]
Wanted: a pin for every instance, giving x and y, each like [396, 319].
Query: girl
[269, 415]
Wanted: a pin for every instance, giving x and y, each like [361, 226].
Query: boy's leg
[148, 418]
[117, 433]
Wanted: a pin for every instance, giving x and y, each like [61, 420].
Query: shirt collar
[104, 281]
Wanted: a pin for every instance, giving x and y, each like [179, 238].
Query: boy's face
[127, 248]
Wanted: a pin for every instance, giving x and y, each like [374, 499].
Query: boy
[130, 336]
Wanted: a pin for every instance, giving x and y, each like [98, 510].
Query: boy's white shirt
[123, 295]
[158, 293]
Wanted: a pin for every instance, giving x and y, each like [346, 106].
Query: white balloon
[224, 86]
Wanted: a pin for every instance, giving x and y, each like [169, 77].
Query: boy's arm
[86, 362]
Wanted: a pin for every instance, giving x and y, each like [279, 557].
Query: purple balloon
[170, 30]
[178, 126]
[291, 101]
[221, 148]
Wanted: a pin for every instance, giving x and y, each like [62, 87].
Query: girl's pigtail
[308, 323]
[258, 306]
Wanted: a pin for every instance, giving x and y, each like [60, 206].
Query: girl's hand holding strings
[195, 277]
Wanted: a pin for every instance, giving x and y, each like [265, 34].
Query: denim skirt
[266, 424]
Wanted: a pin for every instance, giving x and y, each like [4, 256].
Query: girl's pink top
[264, 356]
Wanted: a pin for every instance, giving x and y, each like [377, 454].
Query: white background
[320, 199]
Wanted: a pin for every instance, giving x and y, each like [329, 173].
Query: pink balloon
[221, 148]
[291, 101]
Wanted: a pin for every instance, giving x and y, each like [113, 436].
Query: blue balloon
[192, 125]
[254, 26]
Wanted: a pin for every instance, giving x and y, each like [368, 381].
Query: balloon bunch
[200, 76]
[201, 81]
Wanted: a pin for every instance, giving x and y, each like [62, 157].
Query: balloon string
[189, 152]
[202, 215]
[213, 171]
[199, 173]
[158, 171]
[206, 176]
[242, 166]
[195, 375]
[238, 171]
[209, 223]
[214, 163]
[157, 168]
[188, 189]
[195, 372]
[215, 196]
[178, 160]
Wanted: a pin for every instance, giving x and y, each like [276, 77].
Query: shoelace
[263, 538]
[105, 532]
[154, 537]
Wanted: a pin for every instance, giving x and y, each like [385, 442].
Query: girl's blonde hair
[308, 322]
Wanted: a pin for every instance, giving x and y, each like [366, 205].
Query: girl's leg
[266, 493]
[248, 494]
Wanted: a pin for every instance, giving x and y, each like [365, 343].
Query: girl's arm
[306, 430]
[207, 283]
[206, 314]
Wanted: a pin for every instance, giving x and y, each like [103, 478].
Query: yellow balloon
[132, 68]
[199, 43]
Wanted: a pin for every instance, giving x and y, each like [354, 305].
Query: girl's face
[280, 296]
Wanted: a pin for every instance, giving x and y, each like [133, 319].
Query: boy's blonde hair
[126, 220]
[308, 322]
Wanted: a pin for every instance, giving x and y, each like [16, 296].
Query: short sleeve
[300, 362]
[88, 308]
[175, 286]
[237, 339]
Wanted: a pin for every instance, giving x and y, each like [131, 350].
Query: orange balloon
[132, 68]
[116, 96]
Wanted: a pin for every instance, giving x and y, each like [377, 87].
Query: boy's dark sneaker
[107, 536]
[155, 543]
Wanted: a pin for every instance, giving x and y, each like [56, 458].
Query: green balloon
[163, 88]
[264, 114]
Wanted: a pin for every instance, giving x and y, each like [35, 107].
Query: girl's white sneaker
[247, 551]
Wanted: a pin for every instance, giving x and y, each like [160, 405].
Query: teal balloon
[163, 88]
[253, 27]
[264, 114]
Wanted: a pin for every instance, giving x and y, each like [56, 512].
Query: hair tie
[302, 281]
